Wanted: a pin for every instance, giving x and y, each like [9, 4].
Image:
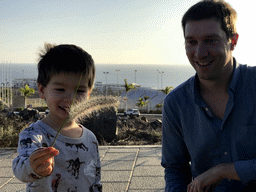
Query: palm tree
[26, 91]
[167, 89]
[159, 106]
[143, 101]
[140, 103]
[128, 87]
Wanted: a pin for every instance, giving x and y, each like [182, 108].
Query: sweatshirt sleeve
[29, 141]
[97, 185]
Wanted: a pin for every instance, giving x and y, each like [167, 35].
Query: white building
[111, 88]
[17, 83]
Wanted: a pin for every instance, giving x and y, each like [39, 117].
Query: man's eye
[191, 42]
[211, 40]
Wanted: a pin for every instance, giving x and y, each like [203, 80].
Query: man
[209, 121]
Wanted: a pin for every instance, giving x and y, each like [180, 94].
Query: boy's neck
[57, 124]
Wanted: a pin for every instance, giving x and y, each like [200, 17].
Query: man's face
[208, 49]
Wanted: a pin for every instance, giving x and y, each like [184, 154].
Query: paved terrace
[124, 169]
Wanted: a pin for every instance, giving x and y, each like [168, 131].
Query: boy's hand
[42, 161]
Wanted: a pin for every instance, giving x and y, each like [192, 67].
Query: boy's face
[60, 91]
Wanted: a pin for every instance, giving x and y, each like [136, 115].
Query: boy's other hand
[42, 160]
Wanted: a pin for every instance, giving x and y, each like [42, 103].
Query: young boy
[64, 72]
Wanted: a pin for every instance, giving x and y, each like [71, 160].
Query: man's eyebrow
[206, 36]
[212, 36]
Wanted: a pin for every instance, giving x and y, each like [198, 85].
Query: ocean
[147, 75]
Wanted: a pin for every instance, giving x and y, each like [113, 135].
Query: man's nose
[201, 50]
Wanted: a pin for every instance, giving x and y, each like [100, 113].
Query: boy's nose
[69, 97]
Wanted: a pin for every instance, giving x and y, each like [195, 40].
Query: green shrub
[10, 129]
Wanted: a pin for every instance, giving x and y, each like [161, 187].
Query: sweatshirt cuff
[31, 173]
[246, 170]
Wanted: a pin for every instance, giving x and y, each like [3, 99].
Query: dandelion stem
[67, 118]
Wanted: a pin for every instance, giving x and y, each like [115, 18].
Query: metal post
[117, 81]
[106, 81]
[135, 91]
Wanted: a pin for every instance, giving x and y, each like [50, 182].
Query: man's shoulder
[247, 71]
[182, 90]
[245, 67]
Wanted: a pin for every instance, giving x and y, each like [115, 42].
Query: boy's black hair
[213, 9]
[64, 58]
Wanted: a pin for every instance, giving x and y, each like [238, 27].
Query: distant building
[112, 89]
[17, 83]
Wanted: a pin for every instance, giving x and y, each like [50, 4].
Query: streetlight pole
[157, 87]
[106, 80]
[161, 82]
[117, 84]
[161, 78]
[23, 77]
[135, 90]
[117, 77]
[8, 94]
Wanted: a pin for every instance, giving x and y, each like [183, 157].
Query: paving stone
[147, 183]
[114, 187]
[148, 161]
[145, 152]
[14, 188]
[148, 190]
[3, 180]
[123, 150]
[119, 156]
[102, 152]
[116, 165]
[115, 176]
[149, 170]
[6, 172]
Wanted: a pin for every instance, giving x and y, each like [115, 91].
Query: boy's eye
[60, 89]
[81, 91]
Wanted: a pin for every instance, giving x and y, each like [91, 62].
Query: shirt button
[206, 109]
[225, 153]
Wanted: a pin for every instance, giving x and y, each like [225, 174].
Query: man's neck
[219, 85]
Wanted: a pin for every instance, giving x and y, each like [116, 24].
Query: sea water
[147, 75]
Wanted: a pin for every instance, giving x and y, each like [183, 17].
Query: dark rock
[28, 113]
[103, 124]
[144, 119]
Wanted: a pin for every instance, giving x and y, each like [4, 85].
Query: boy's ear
[41, 91]
[88, 94]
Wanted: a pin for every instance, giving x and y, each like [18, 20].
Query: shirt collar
[232, 86]
[235, 76]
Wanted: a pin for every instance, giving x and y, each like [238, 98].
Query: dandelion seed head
[86, 107]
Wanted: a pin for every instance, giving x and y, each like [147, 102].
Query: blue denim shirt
[191, 133]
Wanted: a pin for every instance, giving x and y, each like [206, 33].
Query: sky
[112, 31]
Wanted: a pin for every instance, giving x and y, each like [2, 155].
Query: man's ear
[234, 41]
[41, 91]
